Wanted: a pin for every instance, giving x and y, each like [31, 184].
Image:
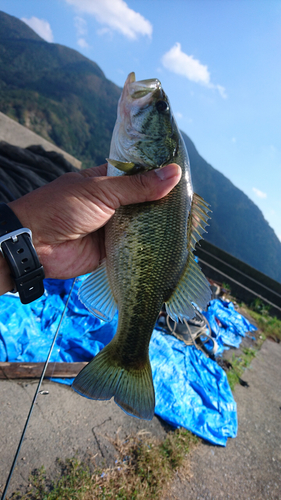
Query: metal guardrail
[246, 282]
[240, 284]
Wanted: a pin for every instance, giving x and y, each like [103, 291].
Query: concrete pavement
[63, 423]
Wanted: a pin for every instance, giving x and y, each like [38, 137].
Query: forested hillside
[56, 92]
[237, 225]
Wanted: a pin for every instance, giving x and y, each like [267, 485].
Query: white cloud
[117, 15]
[177, 61]
[221, 90]
[80, 26]
[82, 43]
[81, 31]
[259, 193]
[104, 31]
[182, 64]
[41, 27]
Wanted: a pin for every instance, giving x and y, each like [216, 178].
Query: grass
[142, 471]
[238, 366]
[269, 327]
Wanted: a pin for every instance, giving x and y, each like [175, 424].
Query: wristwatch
[17, 248]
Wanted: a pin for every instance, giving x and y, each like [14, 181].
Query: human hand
[67, 216]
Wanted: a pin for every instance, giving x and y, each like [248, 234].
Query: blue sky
[219, 61]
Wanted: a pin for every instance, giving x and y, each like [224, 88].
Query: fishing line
[35, 396]
[59, 341]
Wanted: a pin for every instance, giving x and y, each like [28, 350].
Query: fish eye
[162, 106]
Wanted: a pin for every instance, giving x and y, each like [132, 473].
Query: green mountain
[56, 92]
[66, 98]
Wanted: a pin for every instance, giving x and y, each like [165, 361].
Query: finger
[99, 171]
[148, 186]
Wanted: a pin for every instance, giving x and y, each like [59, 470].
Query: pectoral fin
[124, 166]
[96, 295]
[193, 286]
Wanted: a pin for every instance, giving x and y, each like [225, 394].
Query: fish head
[145, 132]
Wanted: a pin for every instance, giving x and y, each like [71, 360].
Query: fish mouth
[141, 88]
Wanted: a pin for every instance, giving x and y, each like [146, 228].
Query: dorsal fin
[197, 221]
[193, 287]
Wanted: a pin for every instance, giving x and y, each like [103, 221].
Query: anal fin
[193, 287]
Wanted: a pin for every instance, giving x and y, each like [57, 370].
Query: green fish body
[149, 259]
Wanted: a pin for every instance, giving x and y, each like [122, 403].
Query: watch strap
[20, 254]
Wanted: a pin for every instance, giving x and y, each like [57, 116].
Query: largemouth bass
[149, 253]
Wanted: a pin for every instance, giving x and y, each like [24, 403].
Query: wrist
[24, 210]
[21, 258]
[6, 282]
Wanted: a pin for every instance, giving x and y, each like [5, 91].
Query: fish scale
[150, 249]
[149, 259]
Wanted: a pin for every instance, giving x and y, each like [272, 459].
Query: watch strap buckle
[13, 235]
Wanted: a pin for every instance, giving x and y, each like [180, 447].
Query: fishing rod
[35, 396]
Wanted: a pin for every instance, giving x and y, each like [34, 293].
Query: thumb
[138, 188]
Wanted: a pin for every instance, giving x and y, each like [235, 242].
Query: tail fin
[132, 388]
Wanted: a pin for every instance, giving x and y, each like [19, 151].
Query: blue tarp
[227, 325]
[191, 390]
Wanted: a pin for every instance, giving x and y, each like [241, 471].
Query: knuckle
[141, 181]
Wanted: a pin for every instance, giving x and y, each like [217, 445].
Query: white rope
[201, 331]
